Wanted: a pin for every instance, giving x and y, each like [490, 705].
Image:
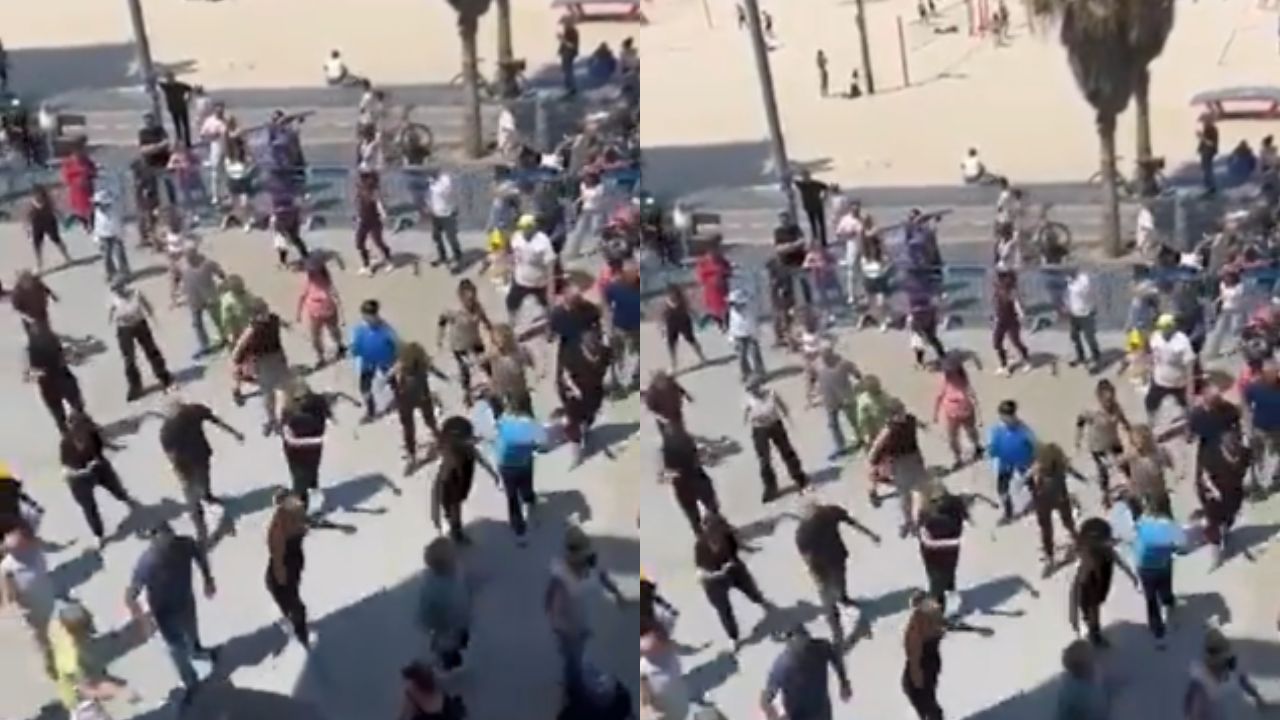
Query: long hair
[925, 623]
[413, 358]
[1051, 459]
[288, 522]
[504, 339]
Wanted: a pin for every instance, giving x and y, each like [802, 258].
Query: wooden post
[902, 52]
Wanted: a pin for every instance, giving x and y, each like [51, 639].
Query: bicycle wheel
[1054, 241]
[425, 135]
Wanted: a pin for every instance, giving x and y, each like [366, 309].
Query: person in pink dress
[957, 406]
[321, 306]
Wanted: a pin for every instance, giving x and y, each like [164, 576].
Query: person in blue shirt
[622, 303]
[1012, 446]
[374, 347]
[1262, 411]
[1157, 538]
[519, 438]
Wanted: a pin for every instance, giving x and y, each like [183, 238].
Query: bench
[602, 9]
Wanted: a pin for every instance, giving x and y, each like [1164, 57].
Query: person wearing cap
[1173, 367]
[163, 574]
[374, 349]
[108, 233]
[574, 575]
[1218, 689]
[744, 331]
[799, 676]
[533, 258]
[131, 313]
[767, 415]
[1012, 447]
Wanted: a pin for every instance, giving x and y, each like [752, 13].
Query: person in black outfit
[1049, 493]
[1207, 149]
[30, 299]
[690, 481]
[826, 557]
[1220, 487]
[286, 220]
[458, 459]
[941, 526]
[303, 420]
[580, 380]
[924, 633]
[370, 216]
[1092, 581]
[47, 365]
[42, 223]
[155, 151]
[788, 243]
[413, 395]
[15, 503]
[721, 569]
[568, 51]
[86, 468]
[177, 95]
[813, 198]
[286, 561]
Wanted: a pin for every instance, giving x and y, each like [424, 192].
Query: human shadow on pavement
[603, 438]
[350, 495]
[1243, 541]
[872, 610]
[989, 598]
[189, 374]
[145, 517]
[126, 426]
[73, 573]
[220, 700]
[1143, 682]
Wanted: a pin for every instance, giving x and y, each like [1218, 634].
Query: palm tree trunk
[506, 52]
[861, 19]
[1110, 198]
[1142, 103]
[472, 142]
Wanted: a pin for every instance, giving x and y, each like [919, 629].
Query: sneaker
[365, 271]
[1025, 367]
[1003, 371]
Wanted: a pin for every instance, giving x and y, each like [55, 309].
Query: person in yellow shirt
[78, 674]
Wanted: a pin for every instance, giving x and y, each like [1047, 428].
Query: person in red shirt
[713, 272]
[78, 175]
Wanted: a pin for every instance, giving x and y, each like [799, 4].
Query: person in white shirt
[533, 260]
[1173, 363]
[1232, 307]
[592, 210]
[974, 172]
[850, 228]
[1082, 306]
[1148, 243]
[213, 130]
[336, 72]
[508, 134]
[767, 414]
[744, 328]
[108, 233]
[664, 693]
[442, 201]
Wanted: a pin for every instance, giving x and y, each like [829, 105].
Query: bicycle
[1047, 241]
[407, 142]
[1132, 187]
[492, 89]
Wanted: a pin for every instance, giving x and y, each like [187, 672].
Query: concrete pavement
[360, 586]
[1007, 676]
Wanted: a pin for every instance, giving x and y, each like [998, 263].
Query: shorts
[876, 285]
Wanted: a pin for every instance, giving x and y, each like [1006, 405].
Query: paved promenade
[1007, 676]
[359, 587]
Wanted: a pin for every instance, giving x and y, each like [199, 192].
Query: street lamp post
[145, 64]
[765, 74]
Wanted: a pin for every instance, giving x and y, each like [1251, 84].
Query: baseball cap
[1166, 321]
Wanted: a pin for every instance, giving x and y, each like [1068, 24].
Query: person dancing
[458, 459]
[286, 560]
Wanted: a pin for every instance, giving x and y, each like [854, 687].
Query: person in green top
[871, 406]
[235, 308]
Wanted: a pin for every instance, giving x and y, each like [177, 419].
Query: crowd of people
[1181, 329]
[585, 338]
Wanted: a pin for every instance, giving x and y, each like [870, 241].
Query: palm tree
[469, 14]
[1149, 28]
[506, 53]
[1095, 34]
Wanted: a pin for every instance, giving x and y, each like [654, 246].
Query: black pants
[1014, 333]
[181, 124]
[289, 225]
[304, 470]
[924, 700]
[1157, 587]
[1092, 614]
[41, 231]
[1102, 461]
[1004, 478]
[366, 388]
[1084, 335]
[1045, 508]
[1157, 393]
[289, 599]
[817, 223]
[738, 577]
[930, 336]
[83, 487]
[57, 388]
[405, 409]
[131, 337]
[364, 233]
[465, 359]
[692, 491]
[776, 435]
[940, 571]
[518, 484]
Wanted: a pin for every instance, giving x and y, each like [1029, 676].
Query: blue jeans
[833, 424]
[114, 259]
[198, 311]
[181, 634]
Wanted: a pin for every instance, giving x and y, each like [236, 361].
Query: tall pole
[145, 65]
[866, 47]
[781, 166]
